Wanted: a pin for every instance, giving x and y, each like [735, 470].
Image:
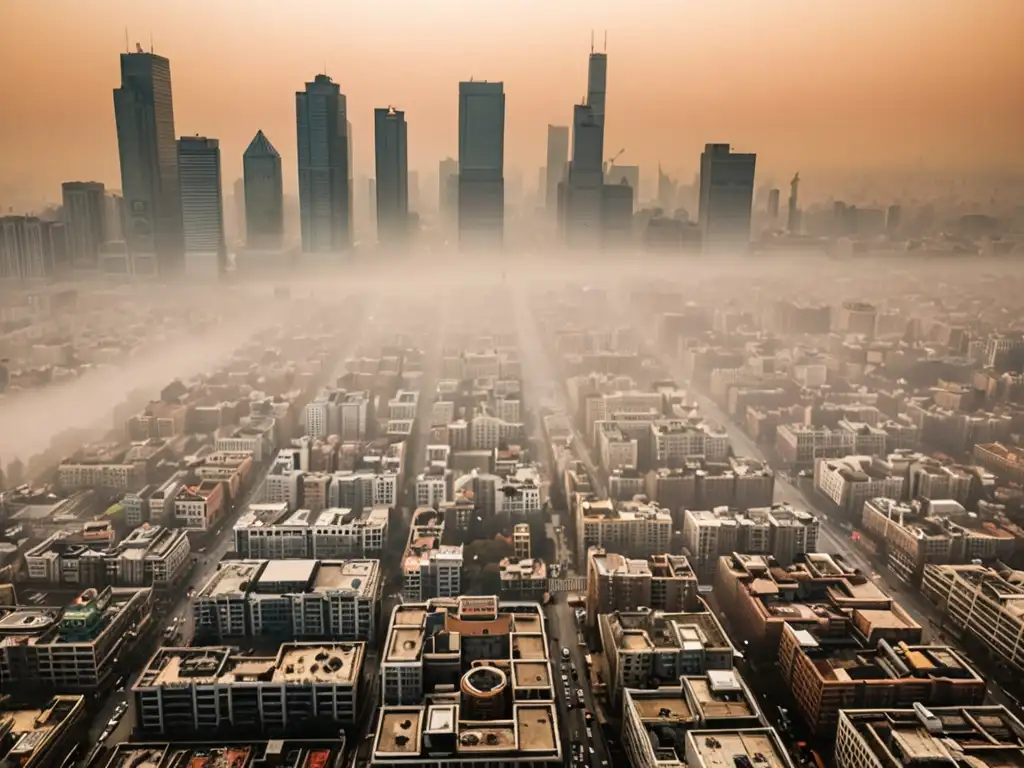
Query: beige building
[659, 582]
[631, 528]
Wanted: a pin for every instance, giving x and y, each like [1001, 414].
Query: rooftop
[36, 730]
[655, 630]
[235, 577]
[723, 748]
[295, 753]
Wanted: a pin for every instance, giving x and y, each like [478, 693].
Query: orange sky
[807, 84]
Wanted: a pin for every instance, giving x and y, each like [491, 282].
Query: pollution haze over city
[521, 383]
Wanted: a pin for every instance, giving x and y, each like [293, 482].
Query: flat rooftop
[720, 748]
[360, 577]
[295, 753]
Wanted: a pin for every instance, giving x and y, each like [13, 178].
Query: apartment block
[645, 649]
[272, 532]
[39, 737]
[760, 597]
[850, 481]
[523, 578]
[659, 582]
[827, 674]
[801, 445]
[199, 690]
[630, 528]
[980, 736]
[982, 602]
[334, 599]
[655, 722]
[430, 568]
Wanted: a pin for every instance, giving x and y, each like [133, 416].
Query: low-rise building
[523, 578]
[645, 649]
[759, 597]
[760, 747]
[631, 528]
[42, 737]
[826, 674]
[430, 568]
[71, 649]
[198, 507]
[979, 736]
[149, 556]
[850, 481]
[655, 721]
[270, 531]
[334, 599]
[659, 582]
[206, 689]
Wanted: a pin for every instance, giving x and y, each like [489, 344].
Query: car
[105, 735]
[579, 694]
[565, 678]
[565, 653]
[120, 684]
[590, 733]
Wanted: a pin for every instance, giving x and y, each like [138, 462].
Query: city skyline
[902, 106]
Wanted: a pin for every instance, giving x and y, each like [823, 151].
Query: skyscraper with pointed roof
[264, 195]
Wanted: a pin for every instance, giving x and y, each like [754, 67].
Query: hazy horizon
[841, 86]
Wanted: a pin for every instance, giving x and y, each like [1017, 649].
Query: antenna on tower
[591, 41]
[606, 41]
[127, 49]
[151, 41]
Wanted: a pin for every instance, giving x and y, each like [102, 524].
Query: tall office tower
[325, 170]
[556, 169]
[597, 80]
[773, 204]
[481, 200]
[86, 218]
[113, 207]
[264, 195]
[391, 154]
[726, 196]
[793, 218]
[583, 198]
[144, 113]
[202, 204]
[448, 190]
[31, 248]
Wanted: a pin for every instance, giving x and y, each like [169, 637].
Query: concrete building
[521, 540]
[86, 220]
[983, 603]
[430, 644]
[144, 113]
[661, 583]
[200, 690]
[273, 532]
[726, 198]
[979, 736]
[199, 507]
[760, 597]
[556, 170]
[202, 205]
[778, 530]
[325, 168]
[150, 556]
[335, 599]
[481, 195]
[430, 568]
[655, 722]
[71, 649]
[800, 445]
[645, 649]
[264, 194]
[40, 737]
[630, 528]
[391, 156]
[522, 578]
[756, 746]
[851, 481]
[826, 674]
[857, 318]
[239, 753]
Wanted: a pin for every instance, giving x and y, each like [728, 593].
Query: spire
[260, 146]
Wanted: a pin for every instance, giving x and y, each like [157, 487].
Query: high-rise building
[583, 199]
[238, 202]
[325, 170]
[597, 79]
[202, 204]
[448, 190]
[31, 248]
[726, 197]
[264, 195]
[793, 217]
[557, 167]
[146, 143]
[481, 191]
[773, 204]
[113, 208]
[392, 164]
[86, 218]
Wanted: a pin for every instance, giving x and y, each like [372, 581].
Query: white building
[203, 690]
[272, 532]
[431, 490]
[851, 481]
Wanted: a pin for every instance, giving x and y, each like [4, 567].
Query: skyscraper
[583, 197]
[86, 218]
[555, 171]
[202, 204]
[448, 190]
[726, 196]
[391, 154]
[264, 195]
[144, 112]
[773, 203]
[325, 171]
[481, 164]
[793, 215]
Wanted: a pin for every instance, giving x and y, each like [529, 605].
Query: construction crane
[611, 161]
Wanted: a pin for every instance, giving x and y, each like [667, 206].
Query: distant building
[773, 204]
[144, 112]
[86, 220]
[391, 154]
[264, 195]
[448, 191]
[726, 197]
[31, 248]
[481, 198]
[202, 205]
[325, 171]
[557, 165]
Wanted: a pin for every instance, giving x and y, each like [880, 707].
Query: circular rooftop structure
[484, 682]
